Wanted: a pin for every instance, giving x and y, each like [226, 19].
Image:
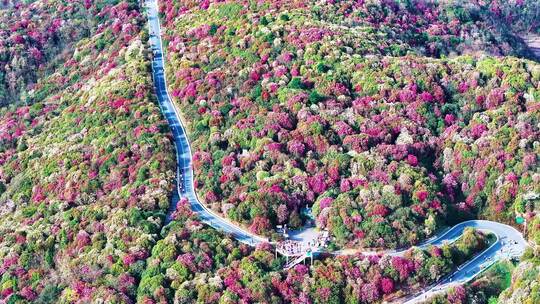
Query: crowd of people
[290, 247]
[294, 248]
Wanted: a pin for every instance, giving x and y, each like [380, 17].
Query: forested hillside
[389, 119]
[350, 109]
[196, 264]
[38, 39]
[86, 168]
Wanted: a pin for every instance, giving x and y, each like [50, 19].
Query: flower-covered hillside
[196, 264]
[525, 284]
[85, 175]
[37, 39]
[490, 161]
[432, 28]
[521, 16]
[480, 118]
[293, 105]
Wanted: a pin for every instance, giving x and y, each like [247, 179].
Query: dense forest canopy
[390, 119]
[387, 130]
[86, 162]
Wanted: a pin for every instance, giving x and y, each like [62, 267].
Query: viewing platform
[297, 250]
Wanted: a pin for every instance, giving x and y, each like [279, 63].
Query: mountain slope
[294, 104]
[85, 172]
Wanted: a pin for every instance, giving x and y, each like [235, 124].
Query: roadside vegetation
[506, 282]
[86, 164]
[485, 289]
[195, 263]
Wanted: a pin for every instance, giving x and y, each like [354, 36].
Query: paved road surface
[533, 42]
[184, 182]
[510, 242]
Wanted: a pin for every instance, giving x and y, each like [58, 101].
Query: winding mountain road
[509, 243]
[184, 176]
